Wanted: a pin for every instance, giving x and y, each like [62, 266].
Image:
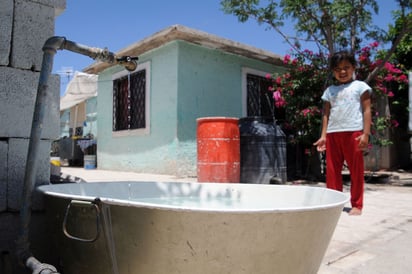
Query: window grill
[259, 99]
[129, 101]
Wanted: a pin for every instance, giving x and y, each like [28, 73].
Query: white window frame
[139, 131]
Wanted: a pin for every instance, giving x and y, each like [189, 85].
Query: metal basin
[169, 227]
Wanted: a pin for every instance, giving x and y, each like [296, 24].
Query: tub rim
[141, 204]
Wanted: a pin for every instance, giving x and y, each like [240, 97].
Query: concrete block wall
[18, 90]
[17, 153]
[6, 28]
[3, 175]
[25, 26]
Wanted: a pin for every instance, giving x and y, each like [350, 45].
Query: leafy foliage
[334, 25]
[298, 92]
[403, 52]
[391, 84]
[329, 24]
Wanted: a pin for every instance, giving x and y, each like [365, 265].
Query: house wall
[65, 123]
[77, 117]
[86, 118]
[90, 127]
[209, 85]
[144, 152]
[187, 82]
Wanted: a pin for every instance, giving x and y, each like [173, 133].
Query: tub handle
[88, 204]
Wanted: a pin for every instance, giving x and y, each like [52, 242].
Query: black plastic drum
[262, 151]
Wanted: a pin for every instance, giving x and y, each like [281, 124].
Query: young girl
[346, 125]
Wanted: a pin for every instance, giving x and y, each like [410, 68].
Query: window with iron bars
[259, 100]
[129, 101]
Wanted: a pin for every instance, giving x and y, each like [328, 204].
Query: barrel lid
[218, 118]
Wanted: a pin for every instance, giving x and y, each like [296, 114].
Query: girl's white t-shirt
[346, 108]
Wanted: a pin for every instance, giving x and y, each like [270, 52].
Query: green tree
[330, 25]
[403, 52]
[402, 57]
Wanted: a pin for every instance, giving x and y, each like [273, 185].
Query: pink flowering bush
[390, 84]
[297, 94]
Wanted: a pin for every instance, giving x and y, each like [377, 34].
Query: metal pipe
[103, 55]
[23, 251]
[40, 268]
[49, 50]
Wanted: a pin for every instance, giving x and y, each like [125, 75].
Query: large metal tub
[168, 227]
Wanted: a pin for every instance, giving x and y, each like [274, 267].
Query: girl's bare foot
[355, 211]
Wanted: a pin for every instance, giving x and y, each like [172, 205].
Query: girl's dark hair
[340, 56]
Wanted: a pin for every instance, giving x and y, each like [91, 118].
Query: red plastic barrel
[218, 150]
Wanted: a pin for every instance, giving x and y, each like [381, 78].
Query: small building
[78, 106]
[78, 119]
[147, 118]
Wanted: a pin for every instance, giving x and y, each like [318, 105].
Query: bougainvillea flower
[305, 111]
[286, 59]
[277, 95]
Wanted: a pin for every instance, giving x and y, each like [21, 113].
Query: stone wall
[25, 26]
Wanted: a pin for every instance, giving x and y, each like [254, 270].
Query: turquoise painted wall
[153, 152]
[187, 82]
[210, 84]
[65, 123]
[90, 126]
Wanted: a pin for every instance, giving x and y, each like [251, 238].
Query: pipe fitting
[54, 43]
[128, 62]
[40, 268]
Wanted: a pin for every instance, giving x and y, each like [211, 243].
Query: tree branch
[407, 28]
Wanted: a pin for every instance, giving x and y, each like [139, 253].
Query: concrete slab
[377, 241]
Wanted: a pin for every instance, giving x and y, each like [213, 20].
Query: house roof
[179, 32]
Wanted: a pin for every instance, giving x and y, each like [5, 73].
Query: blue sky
[115, 24]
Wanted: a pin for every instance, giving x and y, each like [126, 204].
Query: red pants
[340, 147]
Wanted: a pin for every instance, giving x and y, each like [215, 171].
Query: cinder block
[33, 25]
[17, 156]
[3, 175]
[6, 19]
[8, 230]
[6, 26]
[18, 89]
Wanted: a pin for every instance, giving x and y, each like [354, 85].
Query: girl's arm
[321, 143]
[367, 120]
